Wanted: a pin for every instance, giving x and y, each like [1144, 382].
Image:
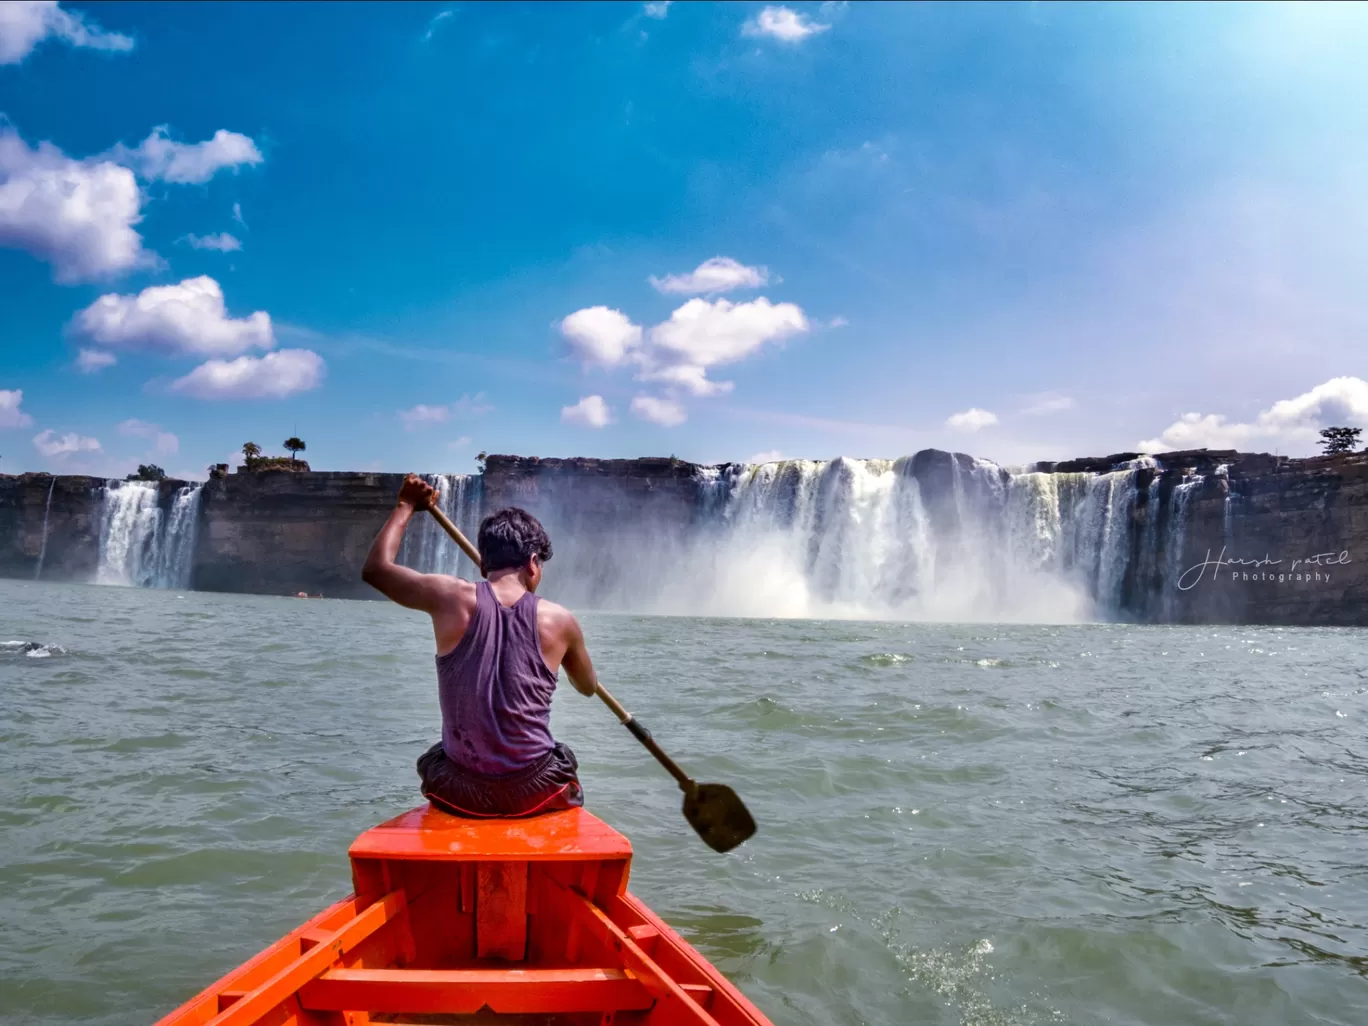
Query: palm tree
[296, 445]
[251, 452]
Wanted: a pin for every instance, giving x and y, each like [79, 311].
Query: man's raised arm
[399, 583]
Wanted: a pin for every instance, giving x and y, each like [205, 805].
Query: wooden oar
[715, 811]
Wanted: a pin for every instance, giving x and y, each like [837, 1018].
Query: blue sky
[411, 232]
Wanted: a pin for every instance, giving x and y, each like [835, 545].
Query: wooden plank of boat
[454, 916]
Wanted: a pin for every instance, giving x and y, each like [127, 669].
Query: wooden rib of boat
[460, 921]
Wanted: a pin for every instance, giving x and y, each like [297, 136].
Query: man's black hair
[509, 538]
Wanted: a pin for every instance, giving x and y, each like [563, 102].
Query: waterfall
[935, 536]
[176, 551]
[426, 546]
[139, 545]
[42, 548]
[128, 534]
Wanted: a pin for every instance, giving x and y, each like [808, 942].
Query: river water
[959, 824]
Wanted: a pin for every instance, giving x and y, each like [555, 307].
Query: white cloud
[92, 361]
[437, 19]
[783, 24]
[768, 456]
[161, 158]
[164, 443]
[421, 414]
[186, 318]
[77, 215]
[272, 376]
[598, 335]
[237, 214]
[26, 23]
[718, 274]
[591, 411]
[972, 419]
[1287, 424]
[665, 412]
[702, 334]
[459, 443]
[11, 416]
[222, 241]
[837, 322]
[1047, 402]
[657, 8]
[51, 445]
[135, 428]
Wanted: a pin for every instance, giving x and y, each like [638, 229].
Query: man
[499, 649]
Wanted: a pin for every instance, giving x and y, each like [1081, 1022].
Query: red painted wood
[464, 991]
[427, 833]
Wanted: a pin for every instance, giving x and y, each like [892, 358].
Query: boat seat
[429, 834]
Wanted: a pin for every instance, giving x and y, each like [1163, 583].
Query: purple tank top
[495, 688]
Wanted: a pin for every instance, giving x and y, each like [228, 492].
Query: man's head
[513, 539]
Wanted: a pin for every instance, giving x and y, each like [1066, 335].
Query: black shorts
[548, 784]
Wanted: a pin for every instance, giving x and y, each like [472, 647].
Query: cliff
[656, 533]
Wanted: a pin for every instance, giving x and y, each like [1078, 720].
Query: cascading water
[426, 546]
[128, 534]
[934, 536]
[176, 551]
[42, 548]
[139, 544]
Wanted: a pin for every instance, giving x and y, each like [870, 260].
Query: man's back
[499, 650]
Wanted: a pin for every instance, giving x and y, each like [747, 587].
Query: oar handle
[639, 731]
[456, 534]
[686, 783]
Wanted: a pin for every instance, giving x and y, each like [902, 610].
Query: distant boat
[452, 916]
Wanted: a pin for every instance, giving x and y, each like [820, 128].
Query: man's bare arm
[577, 665]
[399, 583]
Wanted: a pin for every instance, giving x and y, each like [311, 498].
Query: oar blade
[718, 815]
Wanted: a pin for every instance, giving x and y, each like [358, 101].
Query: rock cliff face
[1198, 537]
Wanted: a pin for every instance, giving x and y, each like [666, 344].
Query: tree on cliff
[295, 445]
[1340, 439]
[251, 452]
[147, 472]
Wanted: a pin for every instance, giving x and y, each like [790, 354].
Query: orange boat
[452, 917]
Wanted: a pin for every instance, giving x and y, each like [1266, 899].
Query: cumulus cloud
[719, 274]
[54, 446]
[26, 23]
[972, 419]
[657, 8]
[164, 443]
[188, 318]
[1047, 402]
[702, 334]
[591, 411]
[783, 24]
[1287, 424]
[92, 361]
[77, 215]
[423, 414]
[11, 416]
[768, 456]
[222, 241]
[272, 376]
[599, 335]
[161, 158]
[665, 412]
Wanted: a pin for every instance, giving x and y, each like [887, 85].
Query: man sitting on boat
[499, 649]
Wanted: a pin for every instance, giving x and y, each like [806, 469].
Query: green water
[958, 824]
